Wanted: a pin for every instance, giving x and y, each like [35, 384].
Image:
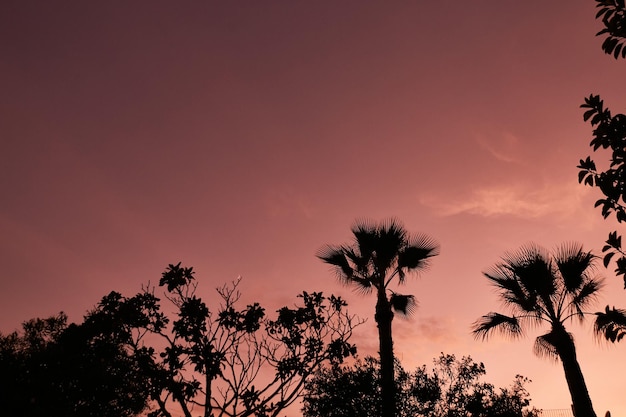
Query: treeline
[129, 358]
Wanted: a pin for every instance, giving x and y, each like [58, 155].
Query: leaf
[614, 240]
[588, 114]
[607, 258]
[596, 119]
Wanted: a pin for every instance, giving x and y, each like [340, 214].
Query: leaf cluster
[611, 323]
[613, 15]
[609, 133]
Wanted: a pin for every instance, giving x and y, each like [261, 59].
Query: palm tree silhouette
[380, 254]
[541, 287]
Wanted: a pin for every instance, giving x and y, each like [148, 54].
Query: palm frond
[362, 285]
[361, 263]
[586, 294]
[546, 345]
[416, 254]
[336, 257]
[573, 264]
[365, 234]
[611, 324]
[403, 304]
[510, 288]
[391, 239]
[532, 267]
[394, 228]
[506, 325]
[401, 275]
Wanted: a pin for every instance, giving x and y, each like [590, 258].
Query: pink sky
[240, 137]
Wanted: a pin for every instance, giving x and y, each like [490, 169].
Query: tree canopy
[132, 356]
[228, 360]
[452, 388]
[54, 369]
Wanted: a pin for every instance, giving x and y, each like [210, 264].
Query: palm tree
[380, 254]
[541, 287]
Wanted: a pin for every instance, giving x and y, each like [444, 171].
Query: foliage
[613, 14]
[542, 287]
[609, 133]
[230, 361]
[55, 369]
[380, 254]
[611, 324]
[453, 388]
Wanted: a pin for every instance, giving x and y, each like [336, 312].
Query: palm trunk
[383, 318]
[581, 402]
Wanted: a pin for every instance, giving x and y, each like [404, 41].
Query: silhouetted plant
[609, 133]
[55, 369]
[541, 287]
[380, 254]
[228, 361]
[613, 14]
[452, 388]
[611, 323]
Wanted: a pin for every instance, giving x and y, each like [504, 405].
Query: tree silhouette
[609, 132]
[55, 369]
[546, 288]
[453, 388]
[227, 361]
[381, 254]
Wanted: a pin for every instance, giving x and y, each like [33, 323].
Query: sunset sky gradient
[241, 137]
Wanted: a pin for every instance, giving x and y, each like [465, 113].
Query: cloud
[519, 200]
[437, 329]
[501, 149]
[421, 338]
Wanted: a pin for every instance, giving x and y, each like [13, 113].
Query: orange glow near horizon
[239, 138]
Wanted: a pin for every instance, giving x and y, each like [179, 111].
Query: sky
[242, 137]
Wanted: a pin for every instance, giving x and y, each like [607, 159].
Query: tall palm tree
[550, 288]
[381, 254]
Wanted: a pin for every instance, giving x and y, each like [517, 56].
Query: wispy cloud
[518, 200]
[503, 148]
[437, 329]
